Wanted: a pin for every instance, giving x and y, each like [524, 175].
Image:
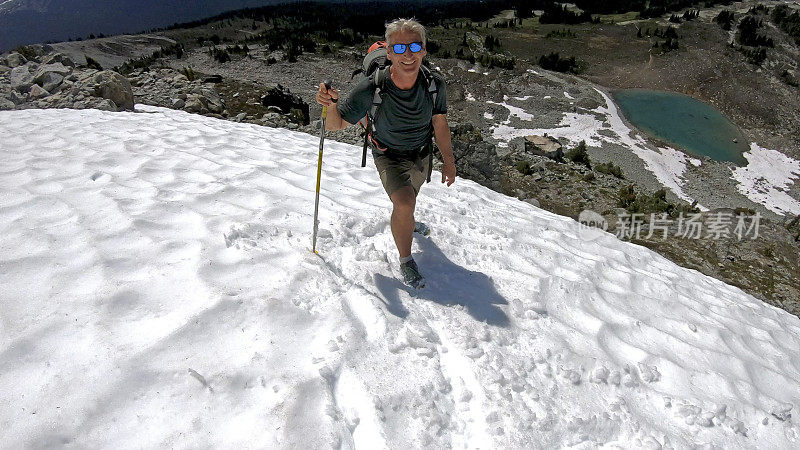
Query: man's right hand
[327, 97]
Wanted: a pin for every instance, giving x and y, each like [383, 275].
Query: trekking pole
[319, 170]
[366, 139]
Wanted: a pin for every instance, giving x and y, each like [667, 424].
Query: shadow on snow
[447, 284]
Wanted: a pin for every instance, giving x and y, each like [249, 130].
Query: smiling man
[412, 110]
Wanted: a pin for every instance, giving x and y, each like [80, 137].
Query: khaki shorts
[399, 173]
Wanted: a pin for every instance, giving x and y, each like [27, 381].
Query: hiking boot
[411, 275]
[421, 228]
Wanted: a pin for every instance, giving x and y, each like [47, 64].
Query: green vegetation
[492, 43]
[554, 62]
[500, 61]
[653, 203]
[789, 23]
[461, 54]
[666, 46]
[788, 78]
[508, 23]
[92, 64]
[25, 51]
[565, 33]
[758, 9]
[687, 16]
[188, 72]
[725, 19]
[238, 50]
[556, 13]
[214, 39]
[748, 33]
[220, 55]
[754, 56]
[794, 226]
[175, 50]
[524, 168]
[610, 169]
[669, 33]
[579, 155]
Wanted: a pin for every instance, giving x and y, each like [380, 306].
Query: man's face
[408, 61]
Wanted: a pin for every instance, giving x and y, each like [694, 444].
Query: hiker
[401, 133]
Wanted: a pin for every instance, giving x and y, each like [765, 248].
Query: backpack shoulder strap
[379, 82]
[430, 81]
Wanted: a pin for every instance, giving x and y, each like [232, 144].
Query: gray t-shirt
[403, 121]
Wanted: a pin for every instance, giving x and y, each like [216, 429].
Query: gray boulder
[17, 97]
[6, 104]
[59, 58]
[475, 158]
[56, 68]
[271, 116]
[215, 105]
[49, 81]
[178, 103]
[36, 92]
[15, 60]
[194, 104]
[547, 146]
[115, 87]
[106, 105]
[21, 78]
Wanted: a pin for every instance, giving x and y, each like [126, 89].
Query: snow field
[158, 289]
[767, 177]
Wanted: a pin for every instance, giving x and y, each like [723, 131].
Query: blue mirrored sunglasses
[415, 47]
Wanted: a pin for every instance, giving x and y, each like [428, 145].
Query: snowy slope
[158, 290]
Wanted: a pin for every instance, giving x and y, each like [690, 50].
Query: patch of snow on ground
[158, 290]
[469, 97]
[667, 164]
[767, 177]
[573, 126]
[515, 111]
[488, 115]
[566, 94]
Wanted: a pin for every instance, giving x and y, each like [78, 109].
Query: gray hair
[411, 25]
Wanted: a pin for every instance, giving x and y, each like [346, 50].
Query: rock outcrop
[170, 89]
[287, 103]
[475, 158]
[52, 80]
[112, 86]
[546, 146]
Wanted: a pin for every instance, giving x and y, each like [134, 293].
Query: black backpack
[376, 66]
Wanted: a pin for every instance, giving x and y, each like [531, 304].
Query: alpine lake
[685, 122]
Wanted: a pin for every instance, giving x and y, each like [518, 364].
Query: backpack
[376, 67]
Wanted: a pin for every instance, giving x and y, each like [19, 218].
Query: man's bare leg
[402, 223]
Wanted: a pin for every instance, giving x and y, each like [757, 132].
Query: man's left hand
[449, 173]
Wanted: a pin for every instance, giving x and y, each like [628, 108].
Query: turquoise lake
[683, 121]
